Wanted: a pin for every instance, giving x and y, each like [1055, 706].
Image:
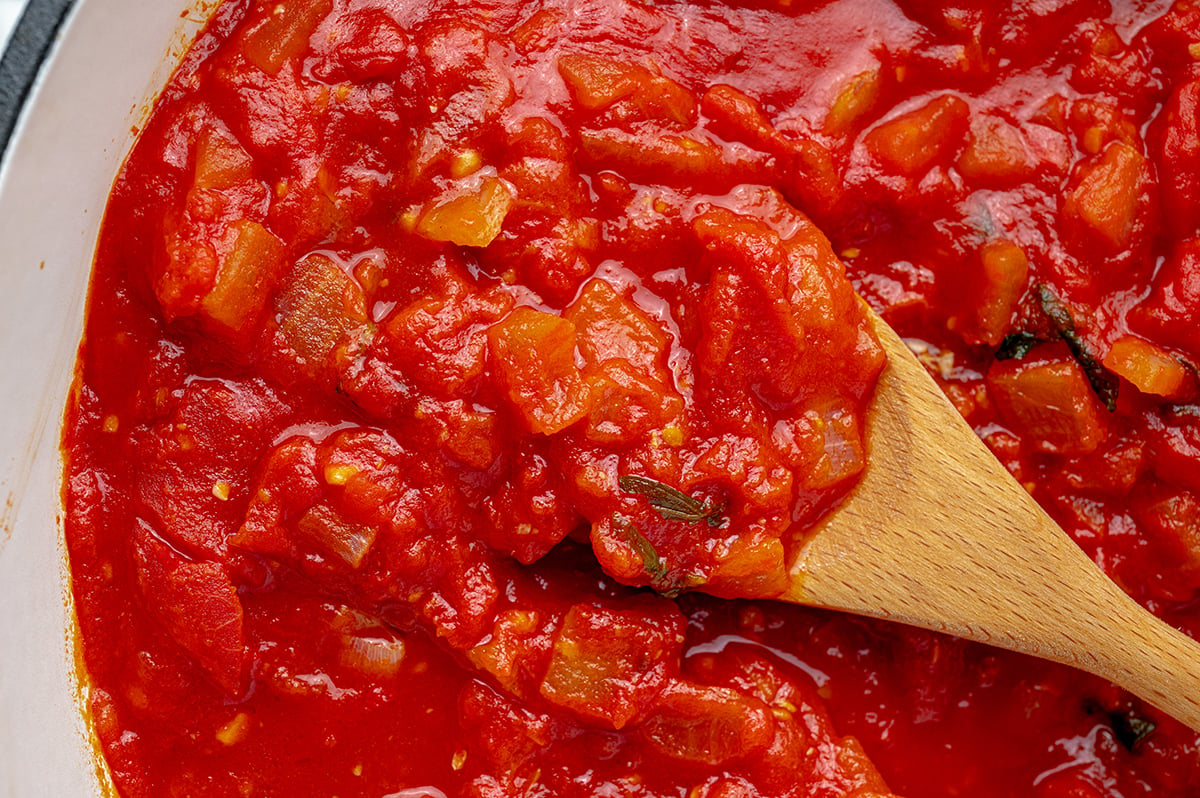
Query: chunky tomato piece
[610, 665]
[1047, 396]
[282, 32]
[534, 354]
[910, 143]
[470, 213]
[1151, 368]
[1109, 194]
[198, 605]
[1169, 314]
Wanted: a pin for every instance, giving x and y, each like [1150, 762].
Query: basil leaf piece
[1104, 383]
[671, 503]
[1016, 346]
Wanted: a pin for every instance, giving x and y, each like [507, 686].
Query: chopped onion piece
[336, 534]
[373, 656]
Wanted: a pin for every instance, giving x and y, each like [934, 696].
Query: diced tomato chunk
[283, 33]
[598, 83]
[752, 566]
[609, 326]
[534, 356]
[320, 310]
[690, 159]
[470, 213]
[994, 292]
[626, 405]
[1150, 368]
[246, 278]
[912, 142]
[441, 342]
[515, 647]
[996, 152]
[608, 665]
[473, 437]
[1047, 397]
[824, 445]
[217, 259]
[1108, 194]
[198, 606]
[858, 97]
[708, 725]
[221, 162]
[526, 512]
[373, 45]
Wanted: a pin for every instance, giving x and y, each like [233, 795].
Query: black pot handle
[31, 41]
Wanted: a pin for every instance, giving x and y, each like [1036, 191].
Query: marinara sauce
[457, 377]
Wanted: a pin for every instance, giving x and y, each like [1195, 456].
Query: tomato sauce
[457, 377]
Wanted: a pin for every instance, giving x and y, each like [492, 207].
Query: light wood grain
[939, 535]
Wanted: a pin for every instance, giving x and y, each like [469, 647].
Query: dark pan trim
[31, 42]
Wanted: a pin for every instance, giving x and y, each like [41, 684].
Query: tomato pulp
[457, 377]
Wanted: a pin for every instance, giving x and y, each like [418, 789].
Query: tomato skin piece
[534, 355]
[198, 606]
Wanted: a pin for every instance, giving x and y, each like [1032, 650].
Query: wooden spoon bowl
[939, 535]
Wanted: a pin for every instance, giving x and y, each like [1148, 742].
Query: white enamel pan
[76, 81]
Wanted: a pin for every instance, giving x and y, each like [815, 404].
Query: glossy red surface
[395, 302]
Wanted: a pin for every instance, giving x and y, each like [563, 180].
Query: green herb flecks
[1104, 382]
[627, 532]
[1017, 346]
[673, 504]
[665, 582]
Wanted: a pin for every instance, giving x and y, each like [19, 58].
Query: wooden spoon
[939, 535]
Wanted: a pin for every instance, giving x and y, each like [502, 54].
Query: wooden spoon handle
[928, 539]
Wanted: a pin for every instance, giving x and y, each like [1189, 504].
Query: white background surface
[10, 10]
[53, 184]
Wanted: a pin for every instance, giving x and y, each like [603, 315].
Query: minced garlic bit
[221, 490]
[408, 219]
[111, 423]
[1194, 50]
[850, 253]
[458, 760]
[339, 473]
[672, 436]
[466, 162]
[235, 730]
